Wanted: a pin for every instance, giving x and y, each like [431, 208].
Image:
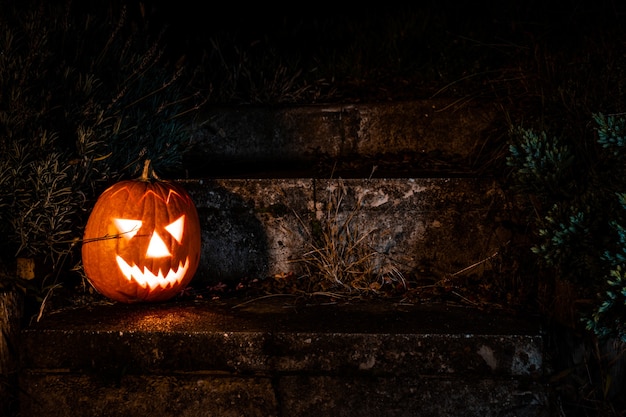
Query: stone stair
[409, 177]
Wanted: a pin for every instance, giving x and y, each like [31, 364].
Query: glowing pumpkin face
[142, 241]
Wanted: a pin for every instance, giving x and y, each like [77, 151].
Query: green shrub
[580, 213]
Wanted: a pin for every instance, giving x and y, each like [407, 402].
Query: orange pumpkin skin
[129, 223]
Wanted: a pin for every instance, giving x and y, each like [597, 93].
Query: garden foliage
[577, 193]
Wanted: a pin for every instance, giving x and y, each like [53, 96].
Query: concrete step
[268, 183]
[261, 227]
[420, 138]
[277, 357]
[405, 173]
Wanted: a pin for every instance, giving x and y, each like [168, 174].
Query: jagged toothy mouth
[147, 279]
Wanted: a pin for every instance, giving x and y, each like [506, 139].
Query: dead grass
[342, 256]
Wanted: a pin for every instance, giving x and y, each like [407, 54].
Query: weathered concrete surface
[259, 227]
[415, 138]
[414, 397]
[201, 395]
[274, 358]
[100, 395]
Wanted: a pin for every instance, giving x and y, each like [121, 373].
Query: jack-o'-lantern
[142, 240]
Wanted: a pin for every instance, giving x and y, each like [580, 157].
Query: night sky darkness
[561, 20]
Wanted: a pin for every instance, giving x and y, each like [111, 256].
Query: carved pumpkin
[142, 240]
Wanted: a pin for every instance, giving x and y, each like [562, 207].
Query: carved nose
[157, 248]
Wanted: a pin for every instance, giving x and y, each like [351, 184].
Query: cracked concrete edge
[308, 133]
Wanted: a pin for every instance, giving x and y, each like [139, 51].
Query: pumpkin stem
[148, 173]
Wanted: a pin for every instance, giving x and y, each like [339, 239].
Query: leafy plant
[579, 218]
[575, 190]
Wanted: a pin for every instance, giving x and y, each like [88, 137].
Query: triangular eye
[176, 228]
[127, 228]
